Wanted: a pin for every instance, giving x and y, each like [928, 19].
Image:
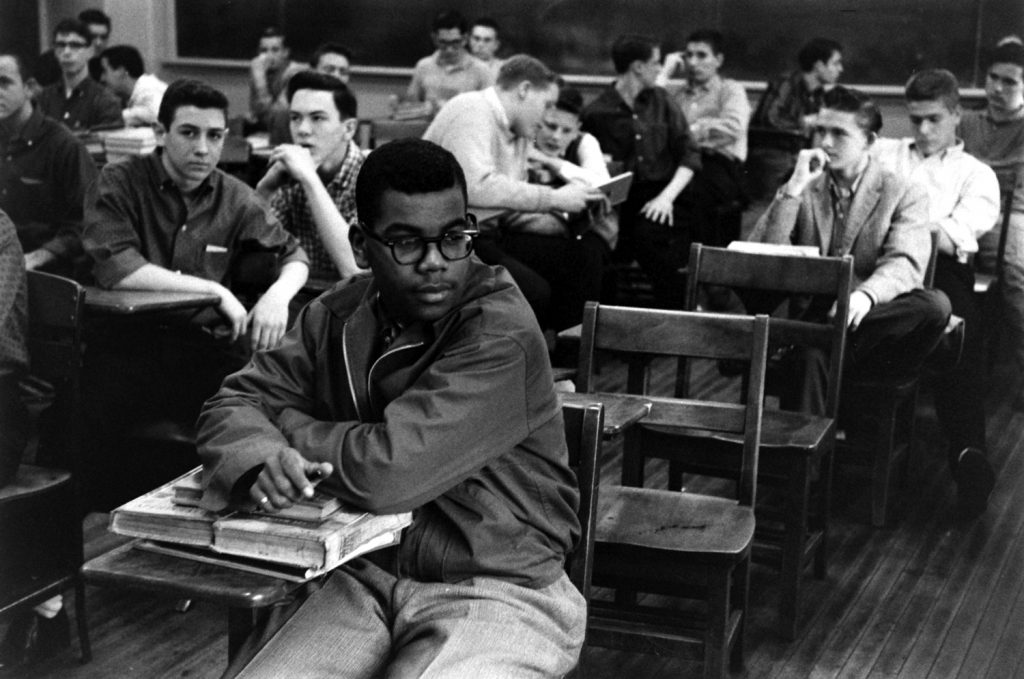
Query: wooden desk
[133, 302]
[621, 411]
[251, 599]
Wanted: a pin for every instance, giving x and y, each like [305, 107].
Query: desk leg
[249, 629]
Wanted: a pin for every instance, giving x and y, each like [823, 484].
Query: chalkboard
[885, 40]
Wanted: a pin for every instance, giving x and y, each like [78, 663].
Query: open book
[775, 249]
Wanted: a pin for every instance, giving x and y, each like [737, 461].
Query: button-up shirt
[43, 174]
[997, 143]
[434, 81]
[652, 139]
[963, 193]
[88, 106]
[290, 205]
[718, 112]
[135, 214]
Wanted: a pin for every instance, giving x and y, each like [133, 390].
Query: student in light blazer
[841, 201]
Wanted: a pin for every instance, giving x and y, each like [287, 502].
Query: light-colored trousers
[365, 622]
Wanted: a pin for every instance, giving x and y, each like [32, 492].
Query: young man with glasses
[76, 100]
[389, 385]
[451, 69]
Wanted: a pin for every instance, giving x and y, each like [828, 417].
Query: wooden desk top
[129, 302]
[621, 411]
[185, 578]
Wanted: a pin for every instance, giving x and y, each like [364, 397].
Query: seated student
[450, 70]
[639, 125]
[843, 202]
[390, 385]
[995, 135]
[963, 203]
[269, 73]
[311, 184]
[718, 112]
[172, 221]
[490, 132]
[124, 72]
[100, 27]
[43, 176]
[333, 59]
[77, 100]
[484, 43]
[13, 353]
[791, 102]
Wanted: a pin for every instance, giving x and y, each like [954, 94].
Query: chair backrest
[1009, 178]
[643, 333]
[55, 314]
[788, 275]
[583, 425]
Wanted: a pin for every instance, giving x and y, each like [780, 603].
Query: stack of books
[298, 543]
[131, 141]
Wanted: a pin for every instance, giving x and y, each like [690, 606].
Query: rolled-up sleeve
[108, 234]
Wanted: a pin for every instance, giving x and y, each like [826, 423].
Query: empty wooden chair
[669, 543]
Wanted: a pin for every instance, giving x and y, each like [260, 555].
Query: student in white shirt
[124, 72]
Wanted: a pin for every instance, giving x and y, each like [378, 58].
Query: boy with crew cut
[311, 182]
[963, 203]
[332, 58]
[995, 135]
[388, 385]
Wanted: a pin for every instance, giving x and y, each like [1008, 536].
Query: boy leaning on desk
[389, 384]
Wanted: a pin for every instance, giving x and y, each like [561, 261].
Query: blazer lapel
[864, 202]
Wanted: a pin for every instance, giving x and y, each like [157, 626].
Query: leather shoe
[975, 480]
[32, 637]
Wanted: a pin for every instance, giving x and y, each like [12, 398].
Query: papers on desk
[131, 141]
[775, 249]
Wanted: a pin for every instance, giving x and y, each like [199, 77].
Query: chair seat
[781, 429]
[679, 523]
[31, 480]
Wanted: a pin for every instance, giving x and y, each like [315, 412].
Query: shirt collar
[491, 96]
[31, 131]
[462, 63]
[949, 152]
[712, 85]
[165, 182]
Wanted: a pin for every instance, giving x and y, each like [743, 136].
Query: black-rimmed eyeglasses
[453, 245]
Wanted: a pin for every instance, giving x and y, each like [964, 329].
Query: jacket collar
[865, 198]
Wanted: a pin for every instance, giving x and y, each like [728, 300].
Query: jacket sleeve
[906, 249]
[779, 223]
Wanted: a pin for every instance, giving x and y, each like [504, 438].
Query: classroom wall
[146, 24]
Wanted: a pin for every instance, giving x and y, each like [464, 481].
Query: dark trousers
[960, 393]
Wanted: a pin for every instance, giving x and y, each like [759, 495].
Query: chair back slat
[55, 308]
[1009, 181]
[583, 426]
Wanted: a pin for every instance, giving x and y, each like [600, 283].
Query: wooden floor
[930, 596]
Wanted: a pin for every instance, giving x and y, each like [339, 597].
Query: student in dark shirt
[640, 125]
[77, 100]
[42, 177]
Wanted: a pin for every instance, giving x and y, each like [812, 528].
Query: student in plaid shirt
[311, 183]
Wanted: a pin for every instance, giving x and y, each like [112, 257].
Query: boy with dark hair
[311, 183]
[332, 58]
[172, 221]
[78, 101]
[484, 43]
[788, 103]
[639, 125]
[269, 73]
[718, 112]
[124, 73]
[450, 70]
[43, 176]
[963, 203]
[995, 135]
[388, 385]
[840, 200]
